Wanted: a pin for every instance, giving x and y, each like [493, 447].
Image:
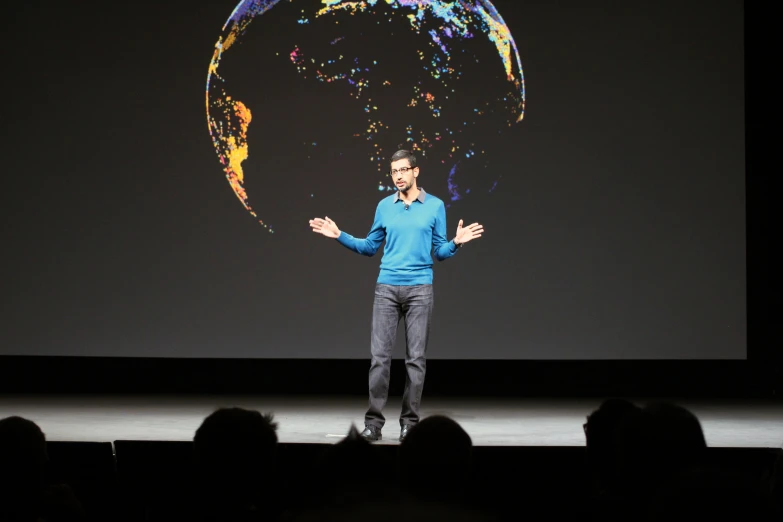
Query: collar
[420, 198]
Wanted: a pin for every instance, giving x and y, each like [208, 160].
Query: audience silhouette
[234, 453]
[644, 463]
[601, 432]
[436, 452]
[22, 469]
[24, 494]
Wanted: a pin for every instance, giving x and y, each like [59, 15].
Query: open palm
[325, 227]
[468, 233]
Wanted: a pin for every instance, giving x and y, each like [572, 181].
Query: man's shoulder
[433, 199]
[388, 200]
[429, 199]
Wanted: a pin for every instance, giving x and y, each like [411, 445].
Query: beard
[406, 186]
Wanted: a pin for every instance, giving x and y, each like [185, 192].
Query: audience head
[601, 432]
[22, 467]
[438, 452]
[657, 442]
[348, 471]
[673, 436]
[601, 425]
[234, 451]
[343, 459]
[675, 426]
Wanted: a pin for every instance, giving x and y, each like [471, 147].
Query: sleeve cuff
[344, 239]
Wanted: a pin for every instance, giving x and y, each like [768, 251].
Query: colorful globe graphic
[344, 84]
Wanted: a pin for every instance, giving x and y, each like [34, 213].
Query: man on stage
[413, 223]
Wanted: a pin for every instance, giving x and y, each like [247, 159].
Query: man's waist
[406, 269]
[404, 277]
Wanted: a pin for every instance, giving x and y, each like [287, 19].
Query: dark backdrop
[617, 230]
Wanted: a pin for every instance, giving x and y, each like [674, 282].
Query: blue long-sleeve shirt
[412, 233]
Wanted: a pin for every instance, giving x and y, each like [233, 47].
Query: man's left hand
[468, 233]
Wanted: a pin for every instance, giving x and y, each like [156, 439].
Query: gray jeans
[413, 304]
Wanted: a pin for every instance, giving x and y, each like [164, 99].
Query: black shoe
[404, 431]
[371, 433]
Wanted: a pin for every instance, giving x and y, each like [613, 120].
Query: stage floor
[490, 422]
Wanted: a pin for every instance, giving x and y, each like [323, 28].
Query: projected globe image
[309, 99]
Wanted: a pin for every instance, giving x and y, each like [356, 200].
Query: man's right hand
[325, 227]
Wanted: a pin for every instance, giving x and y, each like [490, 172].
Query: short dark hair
[404, 154]
[234, 448]
[22, 467]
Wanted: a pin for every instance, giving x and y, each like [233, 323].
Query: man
[413, 223]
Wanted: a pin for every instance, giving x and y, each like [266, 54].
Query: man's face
[403, 175]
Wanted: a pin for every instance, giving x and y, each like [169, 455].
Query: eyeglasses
[401, 170]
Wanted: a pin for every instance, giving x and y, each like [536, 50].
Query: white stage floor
[490, 422]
